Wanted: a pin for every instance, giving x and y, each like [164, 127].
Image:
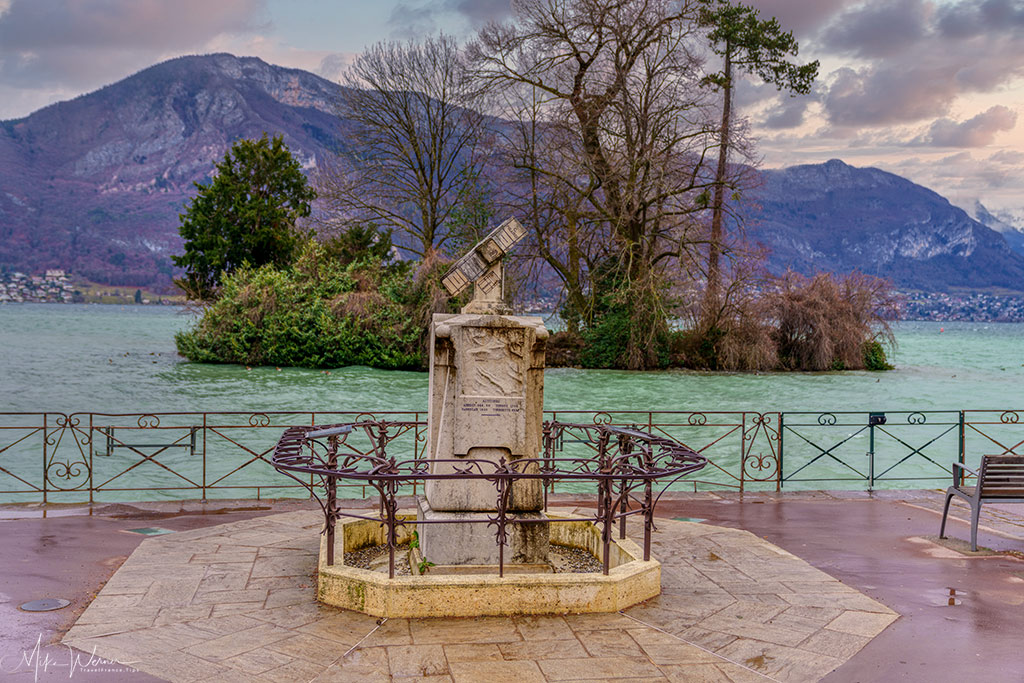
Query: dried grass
[359, 305]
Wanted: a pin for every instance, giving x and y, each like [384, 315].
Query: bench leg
[975, 514]
[945, 513]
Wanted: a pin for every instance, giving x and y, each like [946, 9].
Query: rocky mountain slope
[95, 185]
[833, 216]
[1005, 223]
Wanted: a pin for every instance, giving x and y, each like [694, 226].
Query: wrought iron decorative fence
[86, 456]
[628, 469]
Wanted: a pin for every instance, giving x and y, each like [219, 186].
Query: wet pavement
[887, 549]
[961, 613]
[70, 552]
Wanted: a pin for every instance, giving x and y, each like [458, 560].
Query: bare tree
[824, 322]
[537, 153]
[415, 151]
[619, 79]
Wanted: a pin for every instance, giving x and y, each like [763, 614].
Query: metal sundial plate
[481, 257]
[45, 605]
[507, 234]
[466, 270]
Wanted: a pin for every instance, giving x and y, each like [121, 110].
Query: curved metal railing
[624, 465]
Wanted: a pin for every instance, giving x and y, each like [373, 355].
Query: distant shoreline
[965, 314]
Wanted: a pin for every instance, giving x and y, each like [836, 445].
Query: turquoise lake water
[121, 359]
[69, 358]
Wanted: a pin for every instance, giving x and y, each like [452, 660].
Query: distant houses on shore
[964, 307]
[57, 286]
[53, 287]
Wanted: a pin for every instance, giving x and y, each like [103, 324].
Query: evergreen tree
[761, 48]
[246, 214]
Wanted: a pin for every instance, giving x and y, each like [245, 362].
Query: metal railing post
[782, 432]
[962, 447]
[332, 498]
[871, 455]
[91, 453]
[204, 456]
[743, 451]
[648, 520]
[45, 455]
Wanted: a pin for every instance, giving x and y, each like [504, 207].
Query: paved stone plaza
[236, 602]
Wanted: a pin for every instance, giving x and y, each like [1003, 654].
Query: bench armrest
[958, 469]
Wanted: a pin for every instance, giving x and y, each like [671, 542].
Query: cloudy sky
[929, 89]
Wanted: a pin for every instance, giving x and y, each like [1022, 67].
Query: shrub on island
[323, 311]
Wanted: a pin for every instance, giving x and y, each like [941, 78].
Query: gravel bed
[375, 558]
[568, 560]
[564, 560]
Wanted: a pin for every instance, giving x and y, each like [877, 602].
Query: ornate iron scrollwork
[624, 459]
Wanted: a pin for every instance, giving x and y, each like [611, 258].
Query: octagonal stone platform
[237, 602]
[629, 581]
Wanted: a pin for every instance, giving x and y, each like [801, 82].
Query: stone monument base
[475, 544]
[629, 581]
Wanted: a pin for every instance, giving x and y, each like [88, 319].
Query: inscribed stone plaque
[486, 403]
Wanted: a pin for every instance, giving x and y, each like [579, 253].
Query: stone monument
[485, 407]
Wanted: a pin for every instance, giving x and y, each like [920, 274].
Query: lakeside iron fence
[99, 457]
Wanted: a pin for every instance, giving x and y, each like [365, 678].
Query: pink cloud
[978, 131]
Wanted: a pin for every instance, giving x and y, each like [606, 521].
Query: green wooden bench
[1000, 479]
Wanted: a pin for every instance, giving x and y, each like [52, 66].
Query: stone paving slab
[236, 602]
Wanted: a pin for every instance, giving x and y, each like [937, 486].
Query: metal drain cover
[150, 531]
[45, 605]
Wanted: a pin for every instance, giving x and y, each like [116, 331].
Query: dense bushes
[831, 323]
[324, 311]
[826, 322]
[628, 327]
[874, 356]
[345, 302]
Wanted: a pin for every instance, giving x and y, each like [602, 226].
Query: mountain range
[95, 185]
[836, 217]
[1010, 226]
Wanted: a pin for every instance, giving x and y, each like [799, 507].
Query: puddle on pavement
[115, 511]
[11, 514]
[948, 597]
[150, 531]
[129, 512]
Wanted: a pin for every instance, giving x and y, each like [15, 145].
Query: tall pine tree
[761, 48]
